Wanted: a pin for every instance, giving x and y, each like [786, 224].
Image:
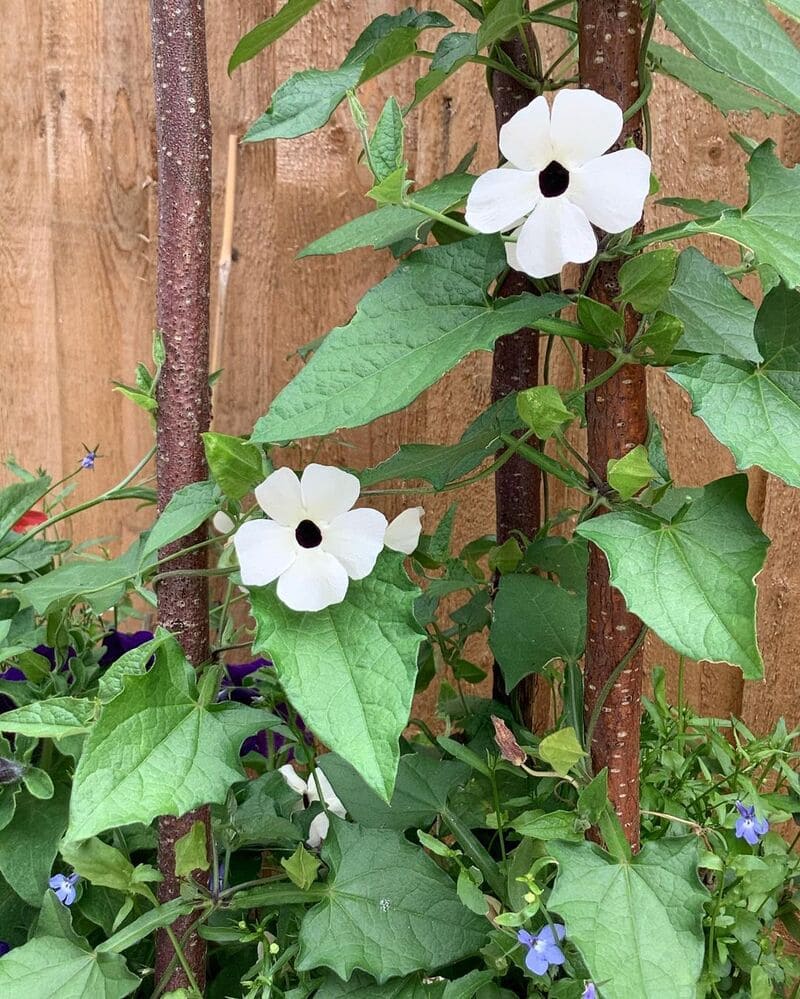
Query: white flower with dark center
[557, 183]
[320, 824]
[314, 543]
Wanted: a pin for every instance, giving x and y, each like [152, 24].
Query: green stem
[57, 518]
[608, 686]
[564, 55]
[565, 23]
[567, 475]
[499, 67]
[187, 968]
[475, 851]
[439, 217]
[498, 814]
[601, 379]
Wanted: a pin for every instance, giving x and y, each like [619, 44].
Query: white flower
[320, 824]
[402, 535]
[558, 183]
[315, 542]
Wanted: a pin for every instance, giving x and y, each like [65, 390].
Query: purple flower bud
[543, 948]
[748, 827]
[590, 992]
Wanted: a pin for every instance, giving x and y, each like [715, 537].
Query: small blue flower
[88, 460]
[543, 949]
[590, 992]
[748, 827]
[64, 887]
[4, 948]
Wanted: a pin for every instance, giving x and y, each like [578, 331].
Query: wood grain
[77, 262]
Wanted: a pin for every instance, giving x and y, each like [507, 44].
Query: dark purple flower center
[308, 535]
[553, 180]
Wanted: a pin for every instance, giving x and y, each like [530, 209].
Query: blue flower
[748, 827]
[543, 949]
[88, 460]
[4, 948]
[64, 887]
[590, 992]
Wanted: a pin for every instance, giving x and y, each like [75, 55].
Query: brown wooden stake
[515, 366]
[183, 132]
[616, 414]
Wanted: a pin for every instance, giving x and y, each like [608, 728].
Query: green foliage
[638, 925]
[750, 47]
[630, 473]
[385, 150]
[191, 852]
[363, 670]
[689, 573]
[561, 750]
[407, 332]
[645, 280]
[29, 844]
[235, 465]
[754, 409]
[17, 499]
[269, 31]
[50, 966]
[157, 750]
[186, 511]
[389, 909]
[542, 410]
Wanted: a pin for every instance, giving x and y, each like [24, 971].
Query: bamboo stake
[616, 413]
[225, 254]
[183, 132]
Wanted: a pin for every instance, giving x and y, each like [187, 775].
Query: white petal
[279, 497]
[612, 189]
[356, 538]
[327, 492]
[314, 581]
[402, 535]
[557, 233]
[583, 126]
[332, 802]
[525, 137]
[222, 522]
[500, 198]
[511, 254]
[293, 778]
[318, 830]
[265, 549]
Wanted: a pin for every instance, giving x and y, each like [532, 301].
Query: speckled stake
[183, 133]
[515, 366]
[616, 414]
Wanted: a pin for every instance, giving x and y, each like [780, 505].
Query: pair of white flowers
[557, 183]
[315, 542]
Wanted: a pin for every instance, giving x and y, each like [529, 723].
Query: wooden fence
[77, 216]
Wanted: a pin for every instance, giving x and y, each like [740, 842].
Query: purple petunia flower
[748, 827]
[543, 948]
[4, 948]
[64, 887]
[117, 643]
[590, 992]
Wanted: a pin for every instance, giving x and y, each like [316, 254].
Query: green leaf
[750, 47]
[630, 473]
[33, 554]
[362, 986]
[561, 750]
[534, 622]
[790, 7]
[645, 280]
[452, 52]
[390, 190]
[599, 319]
[506, 16]
[760, 984]
[98, 584]
[29, 844]
[568, 558]
[235, 465]
[269, 31]
[17, 499]
[471, 985]
[548, 825]
[754, 409]
[542, 409]
[470, 894]
[408, 331]
[391, 224]
[262, 812]
[386, 144]
[350, 669]
[302, 867]
[186, 511]
[390, 910]
[131, 663]
[660, 338]
[52, 966]
[691, 578]
[424, 782]
[99, 863]
[440, 464]
[717, 319]
[52, 718]
[306, 100]
[720, 90]
[156, 750]
[638, 925]
[191, 853]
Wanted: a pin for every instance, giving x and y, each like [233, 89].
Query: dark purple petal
[117, 643]
[236, 672]
[12, 673]
[745, 811]
[4, 948]
[50, 655]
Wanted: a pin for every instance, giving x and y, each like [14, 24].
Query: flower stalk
[183, 132]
